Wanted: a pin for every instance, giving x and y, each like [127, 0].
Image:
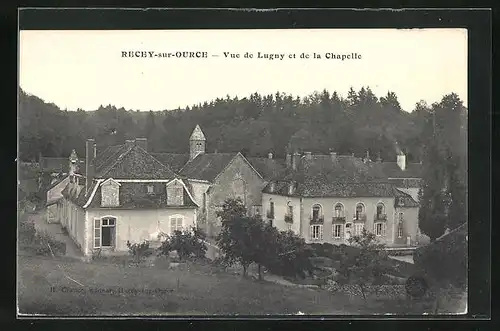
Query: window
[360, 210]
[316, 232]
[379, 229]
[151, 189]
[104, 232]
[270, 212]
[358, 229]
[400, 229]
[316, 213]
[337, 231]
[176, 223]
[380, 211]
[339, 210]
[401, 217]
[289, 212]
[271, 222]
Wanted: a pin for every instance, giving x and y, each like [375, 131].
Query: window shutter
[311, 232]
[179, 224]
[321, 232]
[383, 229]
[375, 228]
[173, 224]
[342, 232]
[97, 233]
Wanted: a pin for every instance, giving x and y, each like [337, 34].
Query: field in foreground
[68, 287]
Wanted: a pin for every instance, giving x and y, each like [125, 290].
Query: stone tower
[73, 163]
[196, 143]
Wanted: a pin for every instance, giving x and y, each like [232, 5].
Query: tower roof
[197, 134]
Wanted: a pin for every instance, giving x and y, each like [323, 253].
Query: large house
[126, 196]
[126, 193]
[329, 198]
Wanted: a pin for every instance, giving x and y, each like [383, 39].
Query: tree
[292, 256]
[365, 265]
[186, 243]
[139, 250]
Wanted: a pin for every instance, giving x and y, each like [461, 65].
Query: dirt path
[55, 230]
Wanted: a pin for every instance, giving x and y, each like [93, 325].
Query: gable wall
[225, 187]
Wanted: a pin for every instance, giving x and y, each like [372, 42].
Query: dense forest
[254, 125]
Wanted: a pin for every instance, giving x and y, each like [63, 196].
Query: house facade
[126, 196]
[330, 198]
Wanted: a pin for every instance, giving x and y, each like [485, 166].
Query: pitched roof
[197, 134]
[133, 162]
[343, 176]
[77, 195]
[392, 170]
[106, 156]
[207, 166]
[134, 195]
[174, 161]
[269, 169]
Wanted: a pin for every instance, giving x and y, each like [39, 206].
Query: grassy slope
[200, 291]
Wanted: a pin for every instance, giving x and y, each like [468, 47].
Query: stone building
[329, 198]
[126, 195]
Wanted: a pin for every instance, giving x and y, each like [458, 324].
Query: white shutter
[173, 225]
[180, 226]
[321, 232]
[375, 228]
[384, 226]
[97, 233]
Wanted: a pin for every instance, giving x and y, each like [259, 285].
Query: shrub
[186, 243]
[139, 250]
[27, 232]
[44, 239]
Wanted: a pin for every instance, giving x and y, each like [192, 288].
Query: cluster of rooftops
[308, 175]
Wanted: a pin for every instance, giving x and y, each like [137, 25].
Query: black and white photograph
[248, 172]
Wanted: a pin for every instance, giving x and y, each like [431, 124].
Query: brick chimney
[269, 155]
[90, 152]
[142, 143]
[401, 160]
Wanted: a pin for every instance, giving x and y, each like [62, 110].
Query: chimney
[295, 160]
[142, 143]
[89, 163]
[402, 161]
[288, 160]
[270, 155]
[308, 155]
[129, 142]
[333, 155]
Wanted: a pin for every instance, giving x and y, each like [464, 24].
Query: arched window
[289, 212]
[316, 212]
[360, 211]
[380, 211]
[338, 210]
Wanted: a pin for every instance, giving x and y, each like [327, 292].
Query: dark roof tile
[269, 169]
[133, 162]
[174, 161]
[207, 166]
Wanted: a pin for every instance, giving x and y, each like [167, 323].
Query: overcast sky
[84, 69]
